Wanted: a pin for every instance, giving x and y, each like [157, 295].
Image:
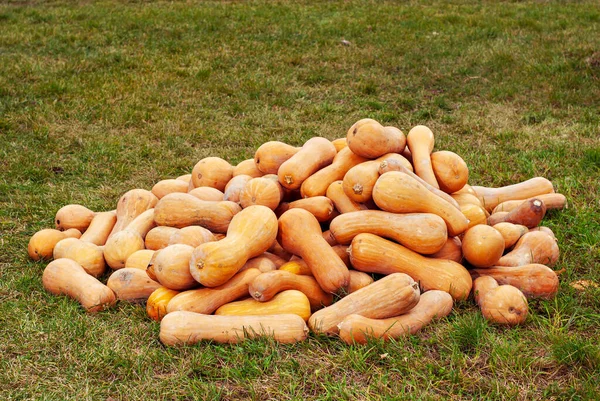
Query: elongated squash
[503, 304]
[235, 186]
[168, 186]
[88, 255]
[247, 167]
[315, 154]
[510, 232]
[432, 304]
[452, 250]
[534, 280]
[271, 155]
[450, 170]
[551, 201]
[373, 254]
[528, 213]
[208, 194]
[390, 296]
[131, 205]
[73, 216]
[156, 305]
[341, 201]
[41, 244]
[140, 259]
[100, 227]
[183, 327]
[132, 285]
[532, 247]
[420, 141]
[172, 267]
[492, 197]
[319, 206]
[369, 139]
[289, 301]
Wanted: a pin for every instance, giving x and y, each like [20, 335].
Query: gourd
[247, 167]
[358, 280]
[328, 269]
[503, 304]
[315, 154]
[65, 276]
[492, 197]
[41, 244]
[341, 201]
[212, 172]
[420, 142]
[265, 286]
[73, 216]
[532, 247]
[165, 187]
[208, 194]
[88, 255]
[534, 280]
[317, 183]
[372, 254]
[432, 304]
[551, 201]
[474, 213]
[450, 170]
[131, 205]
[156, 305]
[182, 210]
[339, 143]
[369, 139]
[390, 296]
[186, 177]
[482, 245]
[271, 155]
[319, 206]
[159, 237]
[61, 247]
[123, 243]
[421, 232]
[261, 191]
[235, 186]
[191, 235]
[397, 192]
[183, 327]
[139, 259]
[100, 227]
[528, 213]
[172, 267]
[213, 263]
[208, 300]
[451, 250]
[289, 301]
[510, 232]
[130, 284]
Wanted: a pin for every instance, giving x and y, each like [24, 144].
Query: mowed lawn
[97, 98]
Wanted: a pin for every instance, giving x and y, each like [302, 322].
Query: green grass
[97, 98]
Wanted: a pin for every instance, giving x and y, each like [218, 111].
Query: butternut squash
[100, 227]
[88, 255]
[466, 198]
[492, 197]
[289, 301]
[358, 280]
[452, 250]
[482, 245]
[296, 266]
[156, 305]
[317, 184]
[319, 206]
[191, 235]
[159, 237]
[315, 154]
[534, 280]
[261, 191]
[390, 296]
[208, 194]
[212, 172]
[551, 201]
[140, 259]
[474, 213]
[61, 247]
[132, 285]
[41, 244]
[420, 141]
[329, 238]
[182, 210]
[277, 250]
[265, 286]
[397, 192]
[510, 232]
[235, 186]
[532, 247]
[73, 216]
[432, 305]
[247, 167]
[543, 229]
[261, 263]
[328, 269]
[369, 139]
[123, 243]
[341, 201]
[131, 205]
[208, 300]
[186, 178]
[183, 327]
[165, 187]
[251, 232]
[372, 254]
[450, 170]
[65, 276]
[503, 304]
[528, 213]
[339, 143]
[271, 155]
[171, 267]
[421, 232]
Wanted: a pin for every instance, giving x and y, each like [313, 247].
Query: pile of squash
[371, 235]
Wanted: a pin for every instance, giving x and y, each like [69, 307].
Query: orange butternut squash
[529, 213]
[159, 237]
[450, 170]
[339, 143]
[191, 235]
[532, 247]
[271, 155]
[140, 259]
[551, 201]
[510, 232]
[247, 167]
[452, 250]
[165, 187]
[482, 245]
[289, 301]
[131, 205]
[156, 305]
[41, 244]
[132, 285]
[88, 255]
[235, 186]
[319, 206]
[492, 197]
[534, 280]
[315, 154]
[212, 172]
[358, 280]
[369, 139]
[73, 216]
[420, 141]
[503, 304]
[100, 227]
[171, 267]
[261, 191]
[341, 201]
[208, 194]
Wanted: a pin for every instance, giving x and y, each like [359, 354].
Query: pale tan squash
[73, 216]
[100, 227]
[132, 285]
[168, 186]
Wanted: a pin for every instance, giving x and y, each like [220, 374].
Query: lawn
[97, 98]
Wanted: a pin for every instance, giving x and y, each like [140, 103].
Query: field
[97, 98]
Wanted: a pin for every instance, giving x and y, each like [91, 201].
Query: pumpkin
[235, 186]
[261, 191]
[482, 245]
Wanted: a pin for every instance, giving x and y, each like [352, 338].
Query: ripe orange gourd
[192, 236]
[41, 244]
[183, 327]
[156, 305]
[165, 187]
[390, 296]
[451, 250]
[358, 280]
[551, 201]
[131, 205]
[341, 201]
[432, 304]
[88, 255]
[532, 247]
[315, 154]
[503, 304]
[247, 167]
[172, 267]
[159, 237]
[328, 269]
[140, 259]
[492, 197]
[372, 254]
[132, 285]
[73, 216]
[100, 227]
[339, 143]
[235, 186]
[397, 192]
[65, 276]
[319, 206]
[369, 139]
[182, 210]
[208, 194]
[482, 245]
[212, 172]
[450, 170]
[186, 177]
[213, 263]
[271, 155]
[123, 243]
[528, 213]
[420, 141]
[261, 191]
[422, 232]
[510, 232]
[474, 213]
[534, 280]
[289, 301]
